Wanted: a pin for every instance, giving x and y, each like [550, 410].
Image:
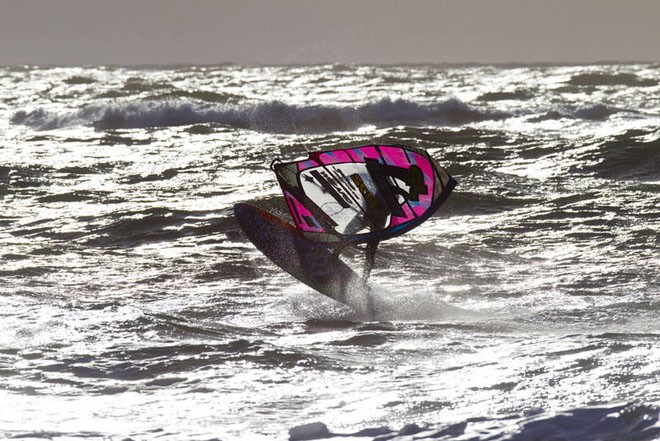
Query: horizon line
[328, 63]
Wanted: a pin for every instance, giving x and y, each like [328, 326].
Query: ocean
[132, 306]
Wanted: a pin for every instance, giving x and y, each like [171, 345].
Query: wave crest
[595, 112]
[272, 116]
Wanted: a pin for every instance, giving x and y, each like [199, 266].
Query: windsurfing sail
[362, 194]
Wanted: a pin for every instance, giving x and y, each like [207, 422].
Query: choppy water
[133, 307]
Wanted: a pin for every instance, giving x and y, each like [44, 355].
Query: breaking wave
[595, 112]
[272, 116]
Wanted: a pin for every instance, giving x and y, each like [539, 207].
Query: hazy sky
[296, 31]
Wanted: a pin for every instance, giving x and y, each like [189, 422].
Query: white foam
[378, 304]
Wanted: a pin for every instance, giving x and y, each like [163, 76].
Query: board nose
[244, 212]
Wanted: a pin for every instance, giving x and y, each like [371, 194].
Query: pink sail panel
[358, 154]
[303, 218]
[394, 156]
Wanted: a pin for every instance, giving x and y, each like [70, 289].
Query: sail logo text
[368, 196]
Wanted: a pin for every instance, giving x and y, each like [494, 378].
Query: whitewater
[132, 306]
